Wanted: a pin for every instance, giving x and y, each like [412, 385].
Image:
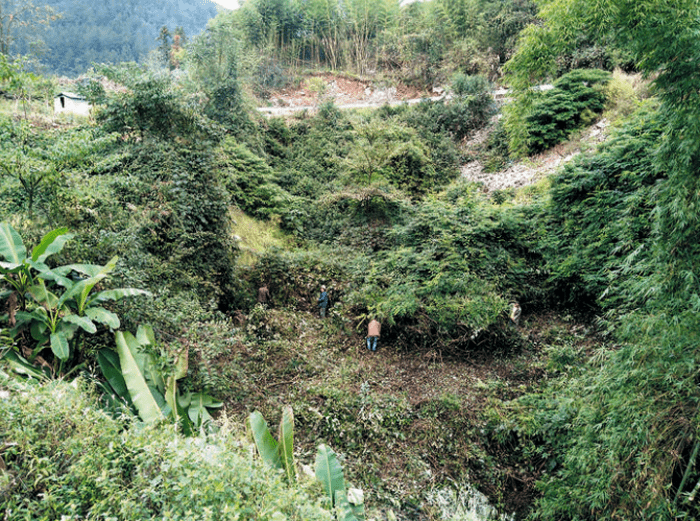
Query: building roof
[70, 95]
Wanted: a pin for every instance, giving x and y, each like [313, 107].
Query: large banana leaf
[145, 335]
[38, 332]
[79, 291]
[345, 510]
[43, 296]
[265, 443]
[181, 362]
[154, 376]
[89, 270]
[286, 444]
[11, 246]
[84, 322]
[354, 502]
[103, 316]
[51, 243]
[59, 345]
[47, 273]
[92, 281]
[8, 268]
[21, 366]
[197, 409]
[139, 391]
[111, 370]
[329, 471]
[116, 294]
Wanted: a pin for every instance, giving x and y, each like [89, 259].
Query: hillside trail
[534, 168]
[347, 93]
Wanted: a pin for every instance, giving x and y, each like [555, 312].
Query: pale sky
[233, 4]
[228, 4]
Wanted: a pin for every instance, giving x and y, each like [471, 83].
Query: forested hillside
[103, 32]
[162, 351]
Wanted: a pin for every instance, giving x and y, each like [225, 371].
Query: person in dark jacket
[323, 301]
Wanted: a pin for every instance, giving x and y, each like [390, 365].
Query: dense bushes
[66, 458]
[250, 182]
[619, 436]
[576, 100]
[601, 215]
[450, 268]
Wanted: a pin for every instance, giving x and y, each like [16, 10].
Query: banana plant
[52, 305]
[140, 379]
[349, 504]
[17, 269]
[276, 454]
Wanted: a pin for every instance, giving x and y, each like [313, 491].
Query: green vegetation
[423, 43]
[66, 37]
[576, 100]
[96, 466]
[585, 409]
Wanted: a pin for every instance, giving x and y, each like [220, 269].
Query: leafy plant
[150, 382]
[48, 315]
[575, 100]
[121, 470]
[348, 502]
[276, 454]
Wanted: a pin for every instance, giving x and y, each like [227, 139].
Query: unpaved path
[286, 111]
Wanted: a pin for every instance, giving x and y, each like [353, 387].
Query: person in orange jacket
[373, 331]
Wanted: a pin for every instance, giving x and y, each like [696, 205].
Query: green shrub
[250, 181]
[496, 154]
[67, 458]
[573, 102]
[624, 93]
[449, 270]
[601, 215]
[294, 278]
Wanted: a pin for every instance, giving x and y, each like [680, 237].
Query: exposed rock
[534, 168]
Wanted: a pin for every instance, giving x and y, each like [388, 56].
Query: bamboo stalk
[691, 464]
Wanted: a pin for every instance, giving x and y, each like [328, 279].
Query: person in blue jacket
[323, 301]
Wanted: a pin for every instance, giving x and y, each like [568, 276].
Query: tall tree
[166, 44]
[214, 68]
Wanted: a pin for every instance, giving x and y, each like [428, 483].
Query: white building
[71, 103]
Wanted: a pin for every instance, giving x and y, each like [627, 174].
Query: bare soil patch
[342, 90]
[534, 168]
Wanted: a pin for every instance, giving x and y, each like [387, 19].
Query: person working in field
[323, 301]
[515, 314]
[263, 295]
[373, 331]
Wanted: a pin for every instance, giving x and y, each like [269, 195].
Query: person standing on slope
[515, 314]
[323, 301]
[373, 331]
[263, 295]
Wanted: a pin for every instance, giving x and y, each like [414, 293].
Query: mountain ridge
[112, 31]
